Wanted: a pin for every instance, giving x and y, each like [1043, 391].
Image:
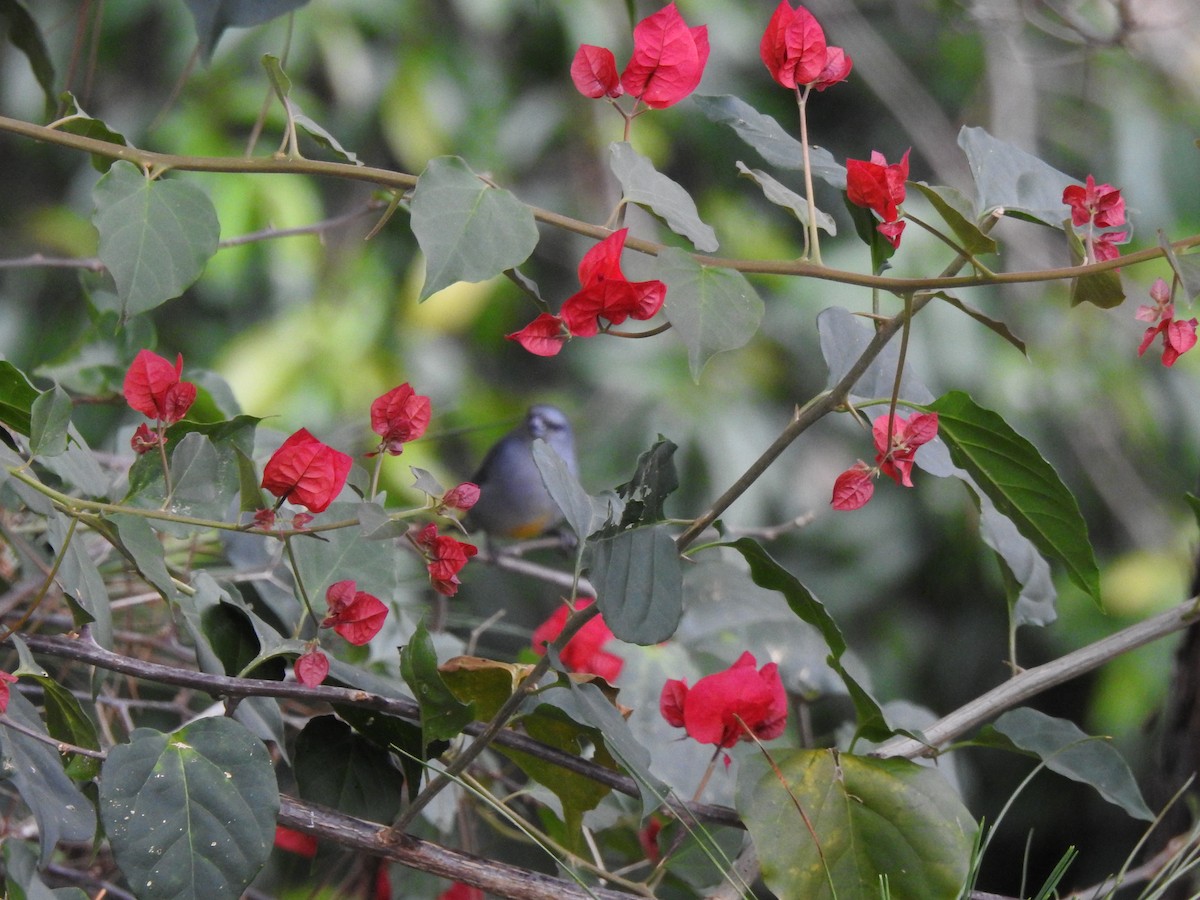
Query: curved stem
[1040, 678]
[813, 240]
[399, 180]
[508, 709]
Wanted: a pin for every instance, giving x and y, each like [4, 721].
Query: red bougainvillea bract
[585, 651]
[729, 706]
[306, 472]
[666, 66]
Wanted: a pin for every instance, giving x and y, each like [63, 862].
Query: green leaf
[985, 320]
[191, 814]
[577, 793]
[1067, 750]
[66, 721]
[49, 418]
[468, 230]
[337, 768]
[642, 184]
[1186, 268]
[833, 825]
[81, 580]
[145, 550]
[769, 574]
[485, 683]
[283, 87]
[78, 466]
[1008, 178]
[323, 561]
[1021, 484]
[18, 863]
[1102, 289]
[25, 35]
[1021, 564]
[844, 336]
[866, 226]
[955, 210]
[564, 488]
[155, 236]
[212, 17]
[654, 479]
[781, 195]
[639, 584]
[17, 397]
[442, 715]
[598, 710]
[36, 771]
[394, 735]
[79, 122]
[769, 138]
[711, 309]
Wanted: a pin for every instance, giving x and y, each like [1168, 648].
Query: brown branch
[83, 649]
[1034, 681]
[495, 877]
[283, 165]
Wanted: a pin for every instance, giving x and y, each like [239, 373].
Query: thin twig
[1034, 681]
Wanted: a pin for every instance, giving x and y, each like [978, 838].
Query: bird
[513, 501]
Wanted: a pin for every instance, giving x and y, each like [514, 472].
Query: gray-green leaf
[1067, 750]
[468, 230]
[639, 584]
[644, 185]
[1021, 484]
[781, 195]
[711, 309]
[155, 235]
[191, 814]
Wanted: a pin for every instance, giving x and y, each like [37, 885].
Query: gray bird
[513, 501]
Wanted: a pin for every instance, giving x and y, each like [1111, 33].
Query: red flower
[585, 651]
[355, 615]
[399, 415]
[445, 557]
[460, 891]
[605, 293]
[877, 185]
[306, 472]
[1100, 205]
[907, 435]
[854, 487]
[837, 68]
[594, 71]
[462, 497]
[1097, 206]
[892, 231]
[152, 387]
[544, 336]
[648, 838]
[1104, 247]
[668, 58]
[311, 667]
[5, 680]
[729, 706]
[295, 841]
[794, 51]
[1179, 336]
[144, 440]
